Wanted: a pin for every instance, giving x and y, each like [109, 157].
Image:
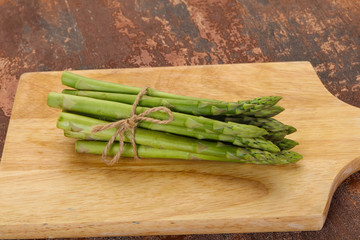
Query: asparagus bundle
[201, 128]
[121, 111]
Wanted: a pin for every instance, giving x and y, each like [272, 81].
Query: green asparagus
[286, 144]
[83, 83]
[97, 147]
[193, 107]
[83, 126]
[269, 124]
[258, 142]
[206, 129]
[268, 112]
[249, 156]
[276, 136]
[122, 111]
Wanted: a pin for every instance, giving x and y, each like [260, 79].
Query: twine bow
[129, 124]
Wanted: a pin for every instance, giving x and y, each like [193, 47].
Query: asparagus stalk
[276, 136]
[186, 145]
[83, 83]
[269, 112]
[121, 111]
[193, 107]
[269, 124]
[249, 156]
[286, 144]
[84, 135]
[179, 105]
[81, 124]
[97, 147]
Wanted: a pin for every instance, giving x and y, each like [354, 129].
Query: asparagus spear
[97, 147]
[276, 136]
[269, 124]
[179, 105]
[269, 112]
[193, 107]
[286, 144]
[83, 83]
[121, 111]
[187, 145]
[249, 156]
[82, 126]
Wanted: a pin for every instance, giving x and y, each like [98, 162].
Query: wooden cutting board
[47, 190]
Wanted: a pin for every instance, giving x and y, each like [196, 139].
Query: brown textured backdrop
[58, 35]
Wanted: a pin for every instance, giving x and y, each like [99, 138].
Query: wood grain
[47, 190]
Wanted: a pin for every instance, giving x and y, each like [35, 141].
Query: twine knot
[129, 124]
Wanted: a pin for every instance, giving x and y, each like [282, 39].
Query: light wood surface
[48, 190]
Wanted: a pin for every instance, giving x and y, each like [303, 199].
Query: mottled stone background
[58, 35]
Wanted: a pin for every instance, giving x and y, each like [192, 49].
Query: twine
[129, 124]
